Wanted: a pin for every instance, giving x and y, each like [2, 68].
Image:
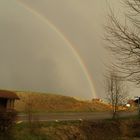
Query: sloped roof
[8, 94]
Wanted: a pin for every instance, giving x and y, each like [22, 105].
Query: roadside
[122, 129]
[72, 116]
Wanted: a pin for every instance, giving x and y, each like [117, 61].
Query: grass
[127, 128]
[49, 124]
[135, 117]
[56, 103]
[24, 131]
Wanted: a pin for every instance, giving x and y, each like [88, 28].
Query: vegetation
[55, 103]
[7, 119]
[123, 41]
[116, 92]
[122, 129]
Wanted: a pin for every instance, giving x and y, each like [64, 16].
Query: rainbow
[60, 34]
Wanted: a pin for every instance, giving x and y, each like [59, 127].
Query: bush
[102, 130]
[7, 119]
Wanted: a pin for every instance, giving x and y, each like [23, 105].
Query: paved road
[71, 116]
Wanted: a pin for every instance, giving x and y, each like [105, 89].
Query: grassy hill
[40, 102]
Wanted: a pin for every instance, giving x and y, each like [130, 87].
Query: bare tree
[33, 120]
[29, 103]
[124, 40]
[116, 92]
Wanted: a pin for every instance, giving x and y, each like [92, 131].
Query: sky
[54, 46]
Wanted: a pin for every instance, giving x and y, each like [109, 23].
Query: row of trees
[123, 41]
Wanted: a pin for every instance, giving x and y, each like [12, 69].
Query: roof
[8, 94]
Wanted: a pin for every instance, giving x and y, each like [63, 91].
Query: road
[71, 116]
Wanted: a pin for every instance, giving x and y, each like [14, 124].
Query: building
[7, 99]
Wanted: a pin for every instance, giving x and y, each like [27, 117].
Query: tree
[29, 104]
[116, 92]
[124, 41]
[33, 120]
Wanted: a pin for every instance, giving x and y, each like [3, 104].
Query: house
[7, 99]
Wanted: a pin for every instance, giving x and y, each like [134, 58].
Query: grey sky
[33, 56]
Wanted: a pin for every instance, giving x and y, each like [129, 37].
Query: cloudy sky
[53, 46]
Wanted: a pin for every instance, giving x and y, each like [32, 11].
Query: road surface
[72, 116]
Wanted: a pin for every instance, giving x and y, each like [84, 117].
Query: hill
[40, 102]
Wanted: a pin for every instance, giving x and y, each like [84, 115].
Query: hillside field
[41, 102]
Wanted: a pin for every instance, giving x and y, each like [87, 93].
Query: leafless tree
[29, 103]
[33, 122]
[116, 92]
[124, 40]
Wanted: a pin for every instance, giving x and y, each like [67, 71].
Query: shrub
[7, 119]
